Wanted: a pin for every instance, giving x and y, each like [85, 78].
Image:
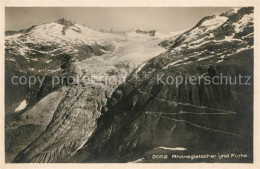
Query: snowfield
[22, 106]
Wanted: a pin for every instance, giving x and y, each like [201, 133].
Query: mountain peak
[230, 12]
[64, 21]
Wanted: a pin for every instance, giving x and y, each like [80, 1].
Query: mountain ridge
[52, 49]
[137, 118]
[145, 115]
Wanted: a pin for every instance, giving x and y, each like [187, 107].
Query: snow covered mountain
[40, 43]
[131, 121]
[147, 118]
[63, 48]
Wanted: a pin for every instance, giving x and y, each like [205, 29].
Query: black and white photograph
[129, 84]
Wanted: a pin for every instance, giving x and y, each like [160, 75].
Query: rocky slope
[107, 121]
[145, 117]
[53, 123]
[44, 50]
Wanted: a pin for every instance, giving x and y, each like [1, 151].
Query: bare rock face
[65, 22]
[150, 33]
[75, 116]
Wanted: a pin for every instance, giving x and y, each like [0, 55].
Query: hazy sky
[163, 19]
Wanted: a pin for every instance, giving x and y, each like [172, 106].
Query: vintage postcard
[152, 82]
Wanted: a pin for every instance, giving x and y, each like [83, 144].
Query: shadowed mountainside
[144, 115]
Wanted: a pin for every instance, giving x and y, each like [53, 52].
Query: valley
[116, 111]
